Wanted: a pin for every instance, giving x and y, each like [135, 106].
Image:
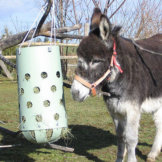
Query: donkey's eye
[82, 64]
[95, 61]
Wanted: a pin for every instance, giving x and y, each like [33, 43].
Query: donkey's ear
[105, 28]
[95, 20]
[116, 30]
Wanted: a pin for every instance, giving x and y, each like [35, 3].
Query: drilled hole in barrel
[56, 116]
[44, 75]
[46, 103]
[36, 90]
[49, 133]
[53, 88]
[27, 76]
[21, 91]
[23, 119]
[38, 118]
[58, 74]
[32, 134]
[29, 104]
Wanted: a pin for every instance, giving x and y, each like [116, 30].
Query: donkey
[133, 77]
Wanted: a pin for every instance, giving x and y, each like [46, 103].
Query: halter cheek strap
[114, 58]
[107, 74]
[93, 86]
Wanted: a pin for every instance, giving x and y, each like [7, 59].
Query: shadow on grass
[86, 138]
[139, 153]
[89, 138]
[20, 151]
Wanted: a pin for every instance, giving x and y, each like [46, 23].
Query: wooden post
[86, 29]
[62, 148]
[4, 68]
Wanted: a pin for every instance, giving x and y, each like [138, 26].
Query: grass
[90, 123]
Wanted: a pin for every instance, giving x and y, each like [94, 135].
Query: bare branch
[75, 14]
[117, 9]
[106, 7]
[44, 16]
[95, 3]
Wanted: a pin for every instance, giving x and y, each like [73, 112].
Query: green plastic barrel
[41, 98]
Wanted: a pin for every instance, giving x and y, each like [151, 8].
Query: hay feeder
[41, 98]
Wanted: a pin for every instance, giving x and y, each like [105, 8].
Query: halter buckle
[93, 91]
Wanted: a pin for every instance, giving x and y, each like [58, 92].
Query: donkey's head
[95, 59]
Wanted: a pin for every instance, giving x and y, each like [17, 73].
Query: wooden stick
[48, 43]
[6, 71]
[8, 146]
[10, 57]
[62, 148]
[2, 122]
[62, 57]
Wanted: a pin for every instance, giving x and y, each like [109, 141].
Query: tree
[140, 19]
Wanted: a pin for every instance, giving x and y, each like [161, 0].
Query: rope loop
[35, 21]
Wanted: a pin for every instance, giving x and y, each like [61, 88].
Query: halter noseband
[107, 74]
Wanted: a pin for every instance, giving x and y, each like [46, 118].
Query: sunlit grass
[90, 123]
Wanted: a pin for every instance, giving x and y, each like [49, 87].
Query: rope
[53, 23]
[145, 64]
[143, 49]
[38, 16]
[42, 10]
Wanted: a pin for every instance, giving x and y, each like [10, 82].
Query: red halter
[93, 86]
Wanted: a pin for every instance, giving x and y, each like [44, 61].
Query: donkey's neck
[119, 82]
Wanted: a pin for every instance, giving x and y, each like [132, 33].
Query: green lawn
[90, 123]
